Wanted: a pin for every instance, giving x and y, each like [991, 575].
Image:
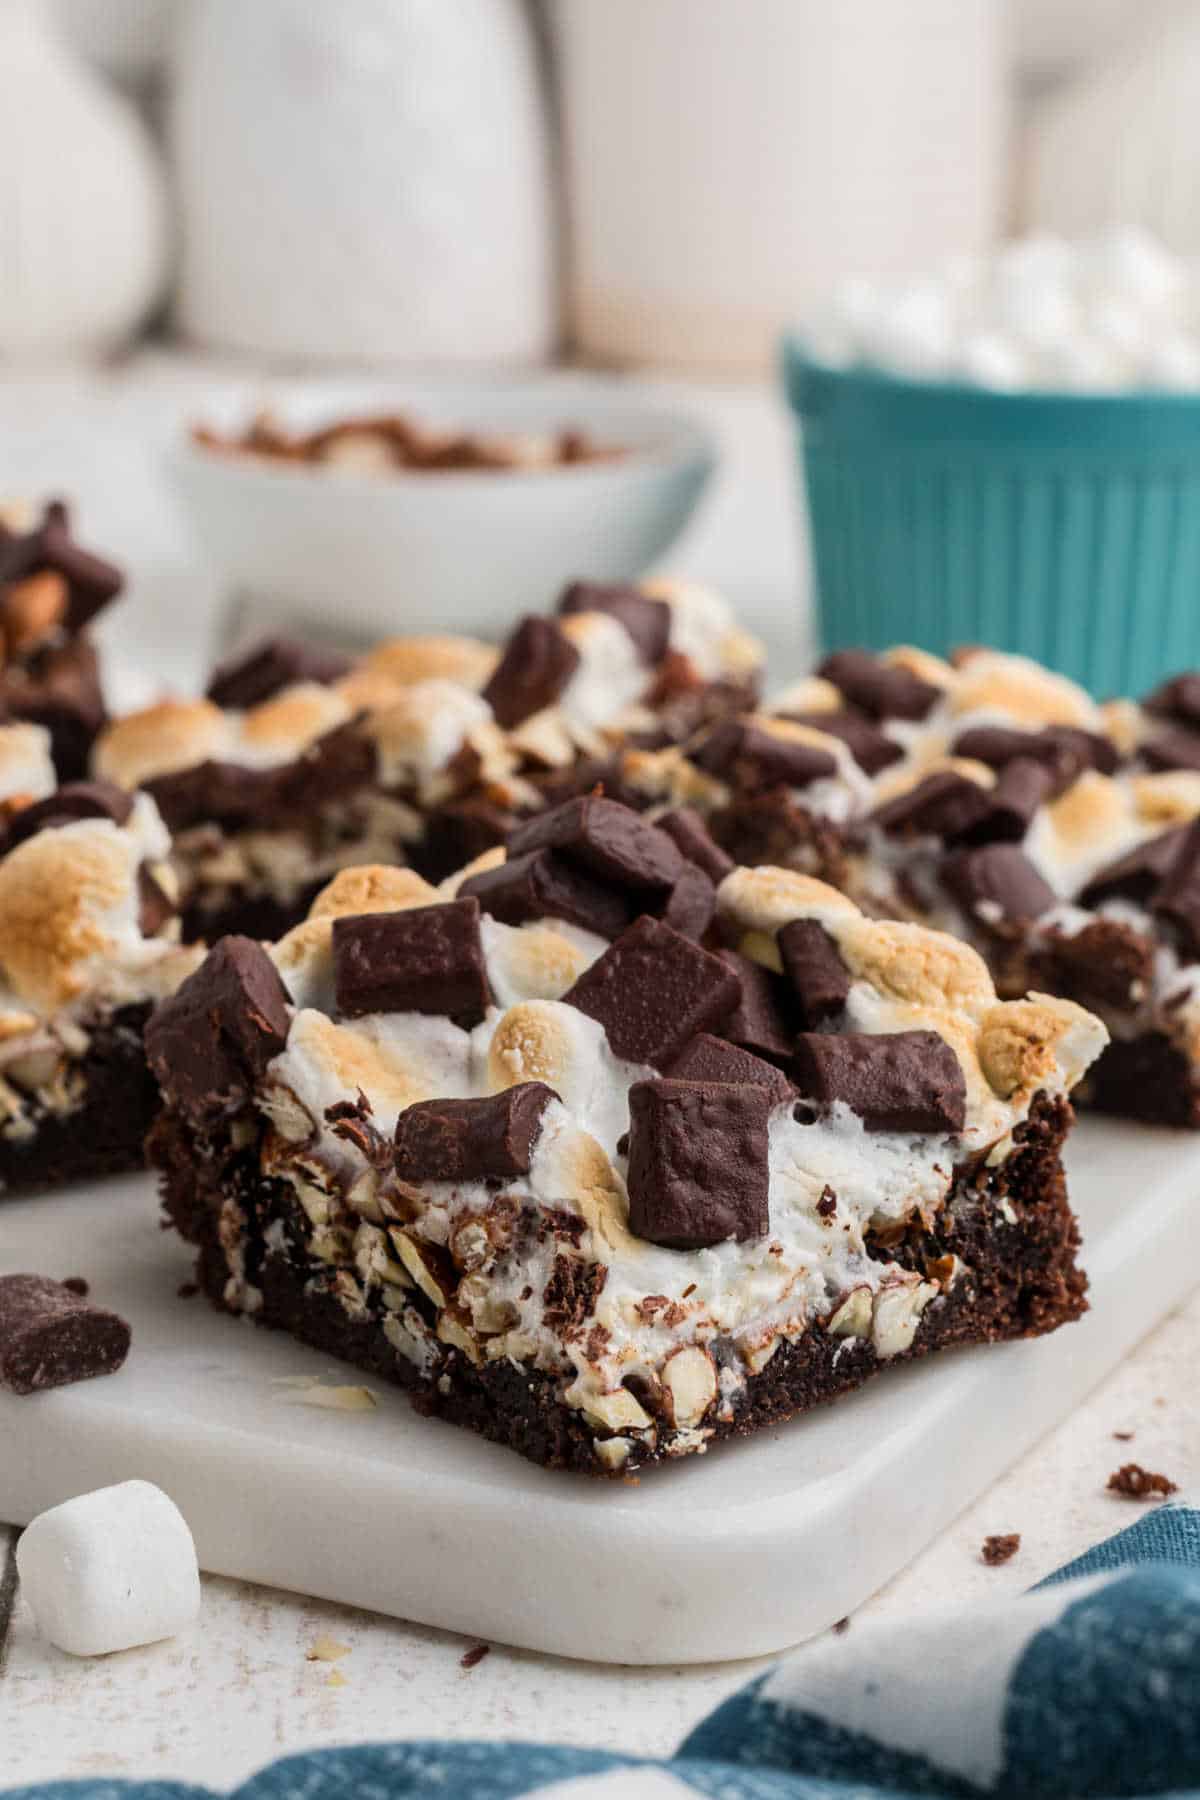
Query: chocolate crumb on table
[508, 1166]
[1135, 1483]
[841, 1625]
[1123, 1437]
[1001, 1547]
[471, 1659]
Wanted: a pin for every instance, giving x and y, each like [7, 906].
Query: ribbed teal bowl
[1064, 526]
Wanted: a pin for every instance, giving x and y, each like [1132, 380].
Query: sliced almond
[423, 1264]
[853, 1316]
[690, 1378]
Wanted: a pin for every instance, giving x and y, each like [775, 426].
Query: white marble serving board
[743, 1551]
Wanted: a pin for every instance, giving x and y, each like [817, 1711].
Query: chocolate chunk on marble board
[648, 621]
[881, 690]
[892, 1081]
[426, 959]
[472, 1140]
[210, 1042]
[698, 1162]
[542, 885]
[997, 885]
[654, 990]
[251, 676]
[51, 1336]
[709, 1058]
[605, 838]
[688, 831]
[538, 661]
[812, 963]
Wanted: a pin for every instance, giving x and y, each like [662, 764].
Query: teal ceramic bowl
[1063, 526]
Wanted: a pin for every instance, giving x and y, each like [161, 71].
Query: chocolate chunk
[871, 748]
[470, 1140]
[653, 990]
[537, 664]
[647, 621]
[74, 801]
[455, 834]
[155, 907]
[211, 1041]
[944, 805]
[59, 690]
[251, 676]
[1092, 747]
[687, 830]
[691, 906]
[334, 765]
[1107, 964]
[709, 1058]
[896, 1081]
[813, 964]
[698, 1162]
[750, 757]
[91, 582]
[428, 959]
[223, 793]
[543, 886]
[1174, 748]
[881, 690]
[1178, 698]
[1066, 750]
[1178, 899]
[997, 885]
[585, 777]
[51, 1336]
[1008, 811]
[1138, 874]
[606, 839]
[759, 1021]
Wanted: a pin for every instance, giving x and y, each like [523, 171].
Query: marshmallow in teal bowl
[1009, 453]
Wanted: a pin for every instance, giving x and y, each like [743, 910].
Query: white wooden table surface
[239, 1688]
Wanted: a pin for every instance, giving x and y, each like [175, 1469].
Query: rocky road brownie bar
[608, 1149]
[88, 941]
[427, 751]
[50, 591]
[996, 800]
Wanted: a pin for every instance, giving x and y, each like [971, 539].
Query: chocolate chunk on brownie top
[585, 1220]
[698, 1162]
[427, 959]
[254, 675]
[653, 990]
[50, 1335]
[648, 621]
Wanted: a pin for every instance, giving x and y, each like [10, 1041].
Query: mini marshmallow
[110, 1570]
[990, 360]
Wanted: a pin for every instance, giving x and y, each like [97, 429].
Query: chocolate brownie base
[105, 1133]
[1147, 1078]
[1011, 1227]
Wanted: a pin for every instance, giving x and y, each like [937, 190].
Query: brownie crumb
[1001, 1547]
[187, 1290]
[1136, 1483]
[471, 1659]
[1123, 1437]
[76, 1284]
[841, 1625]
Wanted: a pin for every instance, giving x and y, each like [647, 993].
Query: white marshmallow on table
[110, 1570]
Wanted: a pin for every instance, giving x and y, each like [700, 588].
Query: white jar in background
[83, 220]
[729, 162]
[364, 180]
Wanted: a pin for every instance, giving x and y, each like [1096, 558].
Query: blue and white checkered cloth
[1089, 1686]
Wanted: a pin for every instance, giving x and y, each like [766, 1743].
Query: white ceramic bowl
[361, 556]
